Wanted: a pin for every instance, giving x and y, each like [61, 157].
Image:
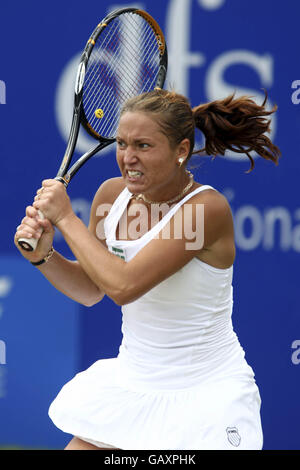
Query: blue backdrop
[215, 47]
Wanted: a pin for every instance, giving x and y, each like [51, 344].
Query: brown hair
[237, 124]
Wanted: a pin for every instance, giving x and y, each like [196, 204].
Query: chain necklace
[176, 198]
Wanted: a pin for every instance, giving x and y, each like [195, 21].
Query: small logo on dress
[233, 436]
[119, 252]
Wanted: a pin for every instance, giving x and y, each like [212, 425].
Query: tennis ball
[99, 113]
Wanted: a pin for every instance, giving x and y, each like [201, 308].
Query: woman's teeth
[135, 174]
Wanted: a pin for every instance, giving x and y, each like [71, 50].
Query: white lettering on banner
[116, 6]
[6, 285]
[295, 96]
[181, 59]
[282, 217]
[2, 352]
[296, 354]
[5, 288]
[252, 214]
[211, 4]
[2, 92]
[270, 228]
[178, 27]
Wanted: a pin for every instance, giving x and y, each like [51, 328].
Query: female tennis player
[180, 380]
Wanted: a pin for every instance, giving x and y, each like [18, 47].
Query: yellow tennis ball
[99, 113]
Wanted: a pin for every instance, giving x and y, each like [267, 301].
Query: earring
[180, 161]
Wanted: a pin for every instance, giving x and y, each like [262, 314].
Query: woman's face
[147, 162]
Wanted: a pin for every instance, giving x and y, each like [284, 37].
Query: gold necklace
[176, 198]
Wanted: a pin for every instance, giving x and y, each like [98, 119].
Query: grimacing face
[147, 161]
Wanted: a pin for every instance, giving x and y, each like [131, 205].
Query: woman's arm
[65, 275]
[69, 278]
[126, 281]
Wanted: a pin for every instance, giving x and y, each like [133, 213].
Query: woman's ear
[183, 148]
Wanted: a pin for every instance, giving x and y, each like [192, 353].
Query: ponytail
[238, 125]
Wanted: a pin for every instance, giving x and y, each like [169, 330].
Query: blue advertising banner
[216, 47]
[40, 331]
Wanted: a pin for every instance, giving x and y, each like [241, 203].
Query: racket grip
[30, 244]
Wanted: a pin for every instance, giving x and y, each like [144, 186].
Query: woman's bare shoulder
[109, 190]
[213, 199]
[217, 215]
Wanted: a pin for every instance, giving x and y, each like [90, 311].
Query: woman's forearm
[69, 278]
[107, 270]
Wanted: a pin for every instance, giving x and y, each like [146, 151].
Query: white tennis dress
[180, 381]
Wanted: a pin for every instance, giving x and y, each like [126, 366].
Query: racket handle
[30, 244]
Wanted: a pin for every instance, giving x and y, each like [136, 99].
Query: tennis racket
[125, 56]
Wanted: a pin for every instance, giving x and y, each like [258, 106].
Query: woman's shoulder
[109, 190]
[211, 197]
[217, 215]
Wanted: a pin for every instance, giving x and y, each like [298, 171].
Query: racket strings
[123, 95]
[131, 67]
[110, 82]
[116, 56]
[107, 56]
[124, 62]
[101, 55]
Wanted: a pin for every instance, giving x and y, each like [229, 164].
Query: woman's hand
[52, 200]
[34, 227]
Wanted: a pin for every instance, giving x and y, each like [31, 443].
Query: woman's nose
[130, 155]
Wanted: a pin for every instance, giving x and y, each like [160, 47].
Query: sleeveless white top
[180, 380]
[184, 323]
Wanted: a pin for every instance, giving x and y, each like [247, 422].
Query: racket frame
[65, 174]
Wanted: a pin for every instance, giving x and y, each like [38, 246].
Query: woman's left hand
[53, 201]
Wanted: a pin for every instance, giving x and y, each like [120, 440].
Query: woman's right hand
[30, 227]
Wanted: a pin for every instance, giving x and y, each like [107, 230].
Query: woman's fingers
[46, 224]
[25, 231]
[30, 226]
[33, 223]
[32, 212]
